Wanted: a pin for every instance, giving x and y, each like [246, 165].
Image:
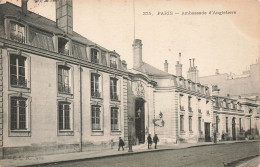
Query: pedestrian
[121, 144]
[155, 140]
[149, 140]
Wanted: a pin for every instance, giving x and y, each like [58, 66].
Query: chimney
[215, 90]
[124, 65]
[193, 73]
[64, 17]
[24, 7]
[178, 67]
[166, 66]
[137, 51]
[217, 72]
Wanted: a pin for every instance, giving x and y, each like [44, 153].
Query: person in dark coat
[149, 140]
[155, 140]
[121, 144]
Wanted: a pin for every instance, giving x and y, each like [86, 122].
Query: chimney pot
[166, 66]
[24, 6]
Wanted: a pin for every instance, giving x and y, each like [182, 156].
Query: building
[60, 92]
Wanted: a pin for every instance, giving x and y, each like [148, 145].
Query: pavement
[49, 159]
[255, 162]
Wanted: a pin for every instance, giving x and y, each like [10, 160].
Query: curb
[132, 153]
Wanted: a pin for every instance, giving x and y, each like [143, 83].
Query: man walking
[149, 140]
[155, 140]
[121, 144]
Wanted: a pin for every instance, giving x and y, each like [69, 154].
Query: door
[140, 120]
[207, 132]
[234, 128]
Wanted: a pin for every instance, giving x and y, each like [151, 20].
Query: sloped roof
[151, 70]
[42, 23]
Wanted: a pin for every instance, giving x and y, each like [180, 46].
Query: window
[64, 83]
[64, 116]
[19, 113]
[227, 124]
[18, 71]
[240, 124]
[181, 106]
[189, 104]
[199, 124]
[95, 88]
[63, 46]
[113, 89]
[95, 117]
[113, 62]
[114, 119]
[17, 32]
[182, 123]
[94, 56]
[190, 123]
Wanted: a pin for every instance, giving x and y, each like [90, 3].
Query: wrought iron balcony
[64, 89]
[22, 83]
[64, 51]
[182, 108]
[114, 97]
[17, 37]
[113, 64]
[94, 59]
[95, 94]
[190, 109]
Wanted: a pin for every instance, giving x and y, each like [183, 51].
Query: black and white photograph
[130, 83]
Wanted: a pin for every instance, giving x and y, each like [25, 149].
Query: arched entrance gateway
[140, 120]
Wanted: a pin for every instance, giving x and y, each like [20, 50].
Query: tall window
[181, 123]
[17, 32]
[64, 116]
[113, 89]
[95, 117]
[227, 124]
[240, 124]
[64, 79]
[18, 71]
[114, 119]
[189, 104]
[95, 90]
[199, 124]
[181, 106]
[94, 56]
[113, 63]
[217, 119]
[18, 113]
[190, 123]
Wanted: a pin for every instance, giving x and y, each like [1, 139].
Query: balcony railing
[182, 108]
[64, 89]
[95, 94]
[113, 64]
[64, 51]
[17, 37]
[94, 59]
[22, 83]
[114, 97]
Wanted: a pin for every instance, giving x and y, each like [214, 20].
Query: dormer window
[94, 56]
[63, 46]
[17, 32]
[113, 61]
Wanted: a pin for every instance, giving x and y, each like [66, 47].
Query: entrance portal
[207, 132]
[139, 120]
[234, 128]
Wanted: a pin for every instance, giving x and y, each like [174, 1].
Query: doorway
[234, 128]
[140, 120]
[207, 132]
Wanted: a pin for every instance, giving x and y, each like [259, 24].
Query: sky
[228, 42]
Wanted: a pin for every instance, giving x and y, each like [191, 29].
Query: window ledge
[97, 133]
[19, 133]
[65, 133]
[115, 132]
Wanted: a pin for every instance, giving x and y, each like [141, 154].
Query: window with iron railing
[95, 117]
[64, 116]
[114, 119]
[94, 56]
[64, 85]
[18, 71]
[113, 89]
[113, 61]
[95, 88]
[19, 113]
[17, 32]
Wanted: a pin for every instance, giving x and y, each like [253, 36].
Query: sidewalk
[46, 159]
[255, 162]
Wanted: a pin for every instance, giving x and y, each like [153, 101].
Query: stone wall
[1, 105]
